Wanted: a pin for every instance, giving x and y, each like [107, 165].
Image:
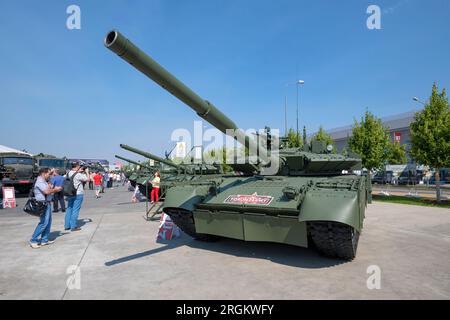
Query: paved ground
[118, 258]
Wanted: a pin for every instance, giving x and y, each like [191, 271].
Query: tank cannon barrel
[151, 156]
[132, 162]
[125, 49]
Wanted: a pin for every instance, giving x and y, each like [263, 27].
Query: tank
[306, 201]
[171, 174]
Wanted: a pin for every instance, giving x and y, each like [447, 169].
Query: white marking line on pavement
[85, 250]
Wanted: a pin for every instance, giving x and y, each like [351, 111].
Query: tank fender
[185, 197]
[337, 206]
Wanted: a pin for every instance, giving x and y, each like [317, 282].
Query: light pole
[299, 83]
[285, 116]
[417, 100]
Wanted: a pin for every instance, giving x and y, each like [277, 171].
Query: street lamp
[417, 100]
[299, 83]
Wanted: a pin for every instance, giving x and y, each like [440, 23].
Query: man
[105, 181]
[74, 202]
[91, 181]
[43, 192]
[57, 180]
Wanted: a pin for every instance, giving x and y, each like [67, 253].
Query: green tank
[306, 201]
[171, 173]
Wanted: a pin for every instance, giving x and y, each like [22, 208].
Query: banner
[9, 197]
[167, 229]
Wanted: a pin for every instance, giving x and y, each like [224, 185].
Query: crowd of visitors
[50, 188]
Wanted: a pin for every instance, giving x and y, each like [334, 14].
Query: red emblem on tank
[249, 199]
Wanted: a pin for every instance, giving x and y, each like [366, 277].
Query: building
[398, 128]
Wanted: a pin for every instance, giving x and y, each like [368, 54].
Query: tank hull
[270, 209]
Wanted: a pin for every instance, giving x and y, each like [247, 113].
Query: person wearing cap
[74, 202]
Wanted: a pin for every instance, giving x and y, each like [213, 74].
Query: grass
[412, 201]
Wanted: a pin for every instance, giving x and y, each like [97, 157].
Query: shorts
[98, 187]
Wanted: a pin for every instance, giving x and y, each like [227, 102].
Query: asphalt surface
[116, 256]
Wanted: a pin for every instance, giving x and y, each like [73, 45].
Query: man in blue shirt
[57, 180]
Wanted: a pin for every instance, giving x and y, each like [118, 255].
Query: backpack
[69, 187]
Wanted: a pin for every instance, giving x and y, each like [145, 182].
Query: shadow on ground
[278, 253]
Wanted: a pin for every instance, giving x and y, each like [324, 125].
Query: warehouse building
[398, 128]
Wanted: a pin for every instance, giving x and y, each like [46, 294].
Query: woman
[155, 190]
[43, 191]
[98, 184]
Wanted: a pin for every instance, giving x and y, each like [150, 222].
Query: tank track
[184, 219]
[334, 239]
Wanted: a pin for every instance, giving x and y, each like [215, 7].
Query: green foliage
[430, 132]
[220, 155]
[371, 141]
[396, 153]
[344, 151]
[321, 135]
[294, 140]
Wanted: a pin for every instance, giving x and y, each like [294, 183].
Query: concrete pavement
[117, 257]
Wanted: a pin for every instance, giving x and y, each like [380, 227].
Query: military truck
[50, 161]
[17, 170]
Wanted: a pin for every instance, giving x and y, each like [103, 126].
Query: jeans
[59, 197]
[43, 227]
[73, 210]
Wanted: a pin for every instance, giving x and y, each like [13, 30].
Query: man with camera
[43, 191]
[80, 177]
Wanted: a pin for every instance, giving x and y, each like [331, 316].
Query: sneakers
[47, 243]
[75, 229]
[34, 245]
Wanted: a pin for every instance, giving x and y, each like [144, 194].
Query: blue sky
[62, 92]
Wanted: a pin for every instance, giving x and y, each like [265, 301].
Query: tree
[370, 140]
[396, 153]
[430, 134]
[344, 152]
[293, 139]
[321, 135]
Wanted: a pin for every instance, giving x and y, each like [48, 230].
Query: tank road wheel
[184, 219]
[334, 239]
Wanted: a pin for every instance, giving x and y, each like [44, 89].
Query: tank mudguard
[185, 197]
[337, 206]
